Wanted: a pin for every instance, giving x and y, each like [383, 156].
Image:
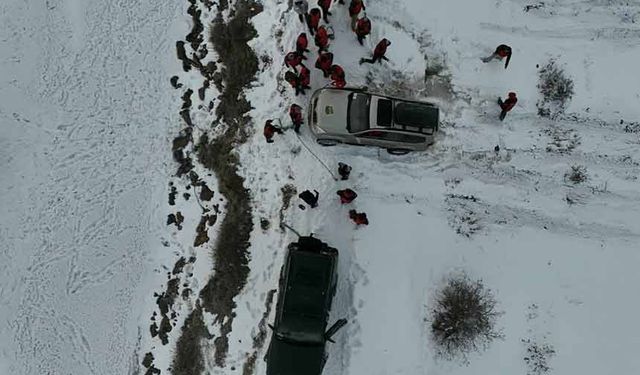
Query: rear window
[416, 115]
[385, 111]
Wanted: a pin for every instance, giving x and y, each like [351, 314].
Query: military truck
[307, 286]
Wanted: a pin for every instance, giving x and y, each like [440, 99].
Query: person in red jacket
[358, 218]
[301, 44]
[270, 130]
[378, 52]
[325, 5]
[322, 39]
[355, 8]
[500, 53]
[293, 59]
[295, 112]
[507, 105]
[324, 62]
[337, 76]
[363, 28]
[346, 196]
[305, 79]
[313, 20]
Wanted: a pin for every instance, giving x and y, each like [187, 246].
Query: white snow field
[86, 112]
[561, 258]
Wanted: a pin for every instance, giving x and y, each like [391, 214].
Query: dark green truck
[307, 285]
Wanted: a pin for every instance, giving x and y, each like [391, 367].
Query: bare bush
[556, 89]
[464, 318]
[577, 174]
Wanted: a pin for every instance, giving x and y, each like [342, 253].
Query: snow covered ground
[561, 257]
[87, 118]
[86, 111]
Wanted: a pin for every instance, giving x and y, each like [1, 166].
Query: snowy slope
[85, 113]
[560, 257]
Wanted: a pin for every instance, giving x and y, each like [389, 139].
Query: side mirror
[334, 328]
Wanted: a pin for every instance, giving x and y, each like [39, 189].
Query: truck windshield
[358, 108]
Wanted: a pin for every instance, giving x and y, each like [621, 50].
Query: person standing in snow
[322, 39]
[324, 62]
[313, 20]
[507, 105]
[293, 80]
[337, 76]
[346, 196]
[378, 52]
[270, 130]
[309, 198]
[358, 218]
[344, 170]
[295, 112]
[304, 79]
[301, 7]
[293, 59]
[500, 53]
[363, 28]
[301, 44]
[325, 5]
[355, 8]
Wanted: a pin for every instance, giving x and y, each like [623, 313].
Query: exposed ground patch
[230, 250]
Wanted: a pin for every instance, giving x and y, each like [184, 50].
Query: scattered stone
[206, 194]
[264, 223]
[148, 360]
[201, 232]
[154, 329]
[177, 268]
[174, 82]
[172, 196]
[186, 196]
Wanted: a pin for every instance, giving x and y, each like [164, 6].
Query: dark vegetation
[556, 89]
[232, 243]
[463, 318]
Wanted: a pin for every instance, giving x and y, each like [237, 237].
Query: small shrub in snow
[537, 357]
[577, 174]
[464, 317]
[556, 89]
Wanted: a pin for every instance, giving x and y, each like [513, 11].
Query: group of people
[322, 35]
[346, 197]
[501, 52]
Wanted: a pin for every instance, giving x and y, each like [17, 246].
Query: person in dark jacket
[337, 76]
[500, 53]
[363, 28]
[344, 170]
[378, 52]
[270, 130]
[295, 112]
[358, 218]
[301, 7]
[322, 39]
[325, 5]
[346, 196]
[309, 198]
[355, 7]
[293, 80]
[507, 105]
[301, 44]
[313, 20]
[293, 59]
[324, 62]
